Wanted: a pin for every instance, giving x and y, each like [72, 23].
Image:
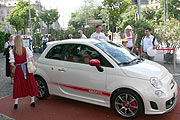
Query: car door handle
[61, 70]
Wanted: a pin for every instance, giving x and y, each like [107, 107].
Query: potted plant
[169, 37]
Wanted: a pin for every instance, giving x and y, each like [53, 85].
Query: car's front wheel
[127, 104]
[42, 87]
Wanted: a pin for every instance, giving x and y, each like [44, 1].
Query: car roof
[84, 41]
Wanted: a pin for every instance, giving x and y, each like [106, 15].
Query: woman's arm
[133, 40]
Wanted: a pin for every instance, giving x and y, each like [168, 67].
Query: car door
[52, 65]
[79, 79]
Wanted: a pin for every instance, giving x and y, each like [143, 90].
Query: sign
[134, 2]
[26, 42]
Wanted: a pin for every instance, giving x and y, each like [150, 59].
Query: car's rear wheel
[127, 104]
[42, 87]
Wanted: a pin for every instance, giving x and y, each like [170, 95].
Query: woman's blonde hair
[18, 45]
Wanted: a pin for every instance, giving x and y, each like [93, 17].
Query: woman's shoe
[32, 104]
[15, 106]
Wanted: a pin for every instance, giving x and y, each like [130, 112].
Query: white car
[106, 74]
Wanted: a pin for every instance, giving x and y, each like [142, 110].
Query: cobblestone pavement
[6, 87]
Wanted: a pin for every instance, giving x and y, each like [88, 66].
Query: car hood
[145, 70]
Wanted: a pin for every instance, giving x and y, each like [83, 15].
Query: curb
[4, 117]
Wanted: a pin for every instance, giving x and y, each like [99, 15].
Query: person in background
[82, 36]
[124, 42]
[98, 34]
[70, 36]
[44, 41]
[147, 42]
[8, 46]
[110, 34]
[129, 36]
[24, 82]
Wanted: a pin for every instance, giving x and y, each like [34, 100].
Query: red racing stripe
[92, 91]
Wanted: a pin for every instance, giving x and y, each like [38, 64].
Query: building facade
[7, 5]
[155, 4]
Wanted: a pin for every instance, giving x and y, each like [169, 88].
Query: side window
[89, 53]
[55, 53]
[72, 53]
[83, 54]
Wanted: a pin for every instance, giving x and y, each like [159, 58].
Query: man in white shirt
[147, 42]
[82, 36]
[98, 34]
[44, 41]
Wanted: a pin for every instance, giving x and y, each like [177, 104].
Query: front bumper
[164, 104]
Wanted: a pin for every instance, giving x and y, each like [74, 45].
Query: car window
[83, 54]
[55, 52]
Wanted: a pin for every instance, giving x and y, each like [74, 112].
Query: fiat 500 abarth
[105, 73]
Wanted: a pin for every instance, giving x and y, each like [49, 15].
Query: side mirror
[94, 62]
[97, 63]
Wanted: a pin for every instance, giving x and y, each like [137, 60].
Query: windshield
[118, 53]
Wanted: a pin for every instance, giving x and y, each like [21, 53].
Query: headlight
[155, 82]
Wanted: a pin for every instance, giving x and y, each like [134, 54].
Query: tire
[127, 104]
[42, 87]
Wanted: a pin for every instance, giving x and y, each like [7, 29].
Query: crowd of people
[128, 39]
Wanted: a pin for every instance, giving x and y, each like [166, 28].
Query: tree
[115, 8]
[49, 17]
[148, 13]
[2, 25]
[19, 16]
[173, 8]
[92, 11]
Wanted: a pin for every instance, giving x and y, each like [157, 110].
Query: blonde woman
[24, 82]
[129, 36]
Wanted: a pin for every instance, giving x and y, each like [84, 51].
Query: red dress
[23, 87]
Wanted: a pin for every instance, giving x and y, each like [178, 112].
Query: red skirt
[24, 87]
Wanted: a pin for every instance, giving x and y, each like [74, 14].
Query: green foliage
[49, 17]
[2, 41]
[37, 38]
[148, 13]
[35, 24]
[169, 34]
[115, 8]
[173, 8]
[19, 16]
[92, 12]
[2, 25]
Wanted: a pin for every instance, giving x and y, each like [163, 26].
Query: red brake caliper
[133, 104]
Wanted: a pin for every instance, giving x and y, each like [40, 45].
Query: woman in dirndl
[8, 46]
[24, 82]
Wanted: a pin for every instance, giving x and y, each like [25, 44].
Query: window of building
[2, 12]
[157, 7]
[8, 11]
[2, 18]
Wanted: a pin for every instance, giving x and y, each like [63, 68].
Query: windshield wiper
[132, 61]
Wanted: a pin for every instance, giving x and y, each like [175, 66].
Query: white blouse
[29, 54]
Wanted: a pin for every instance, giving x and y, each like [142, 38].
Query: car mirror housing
[94, 62]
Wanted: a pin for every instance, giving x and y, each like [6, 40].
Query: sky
[65, 8]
